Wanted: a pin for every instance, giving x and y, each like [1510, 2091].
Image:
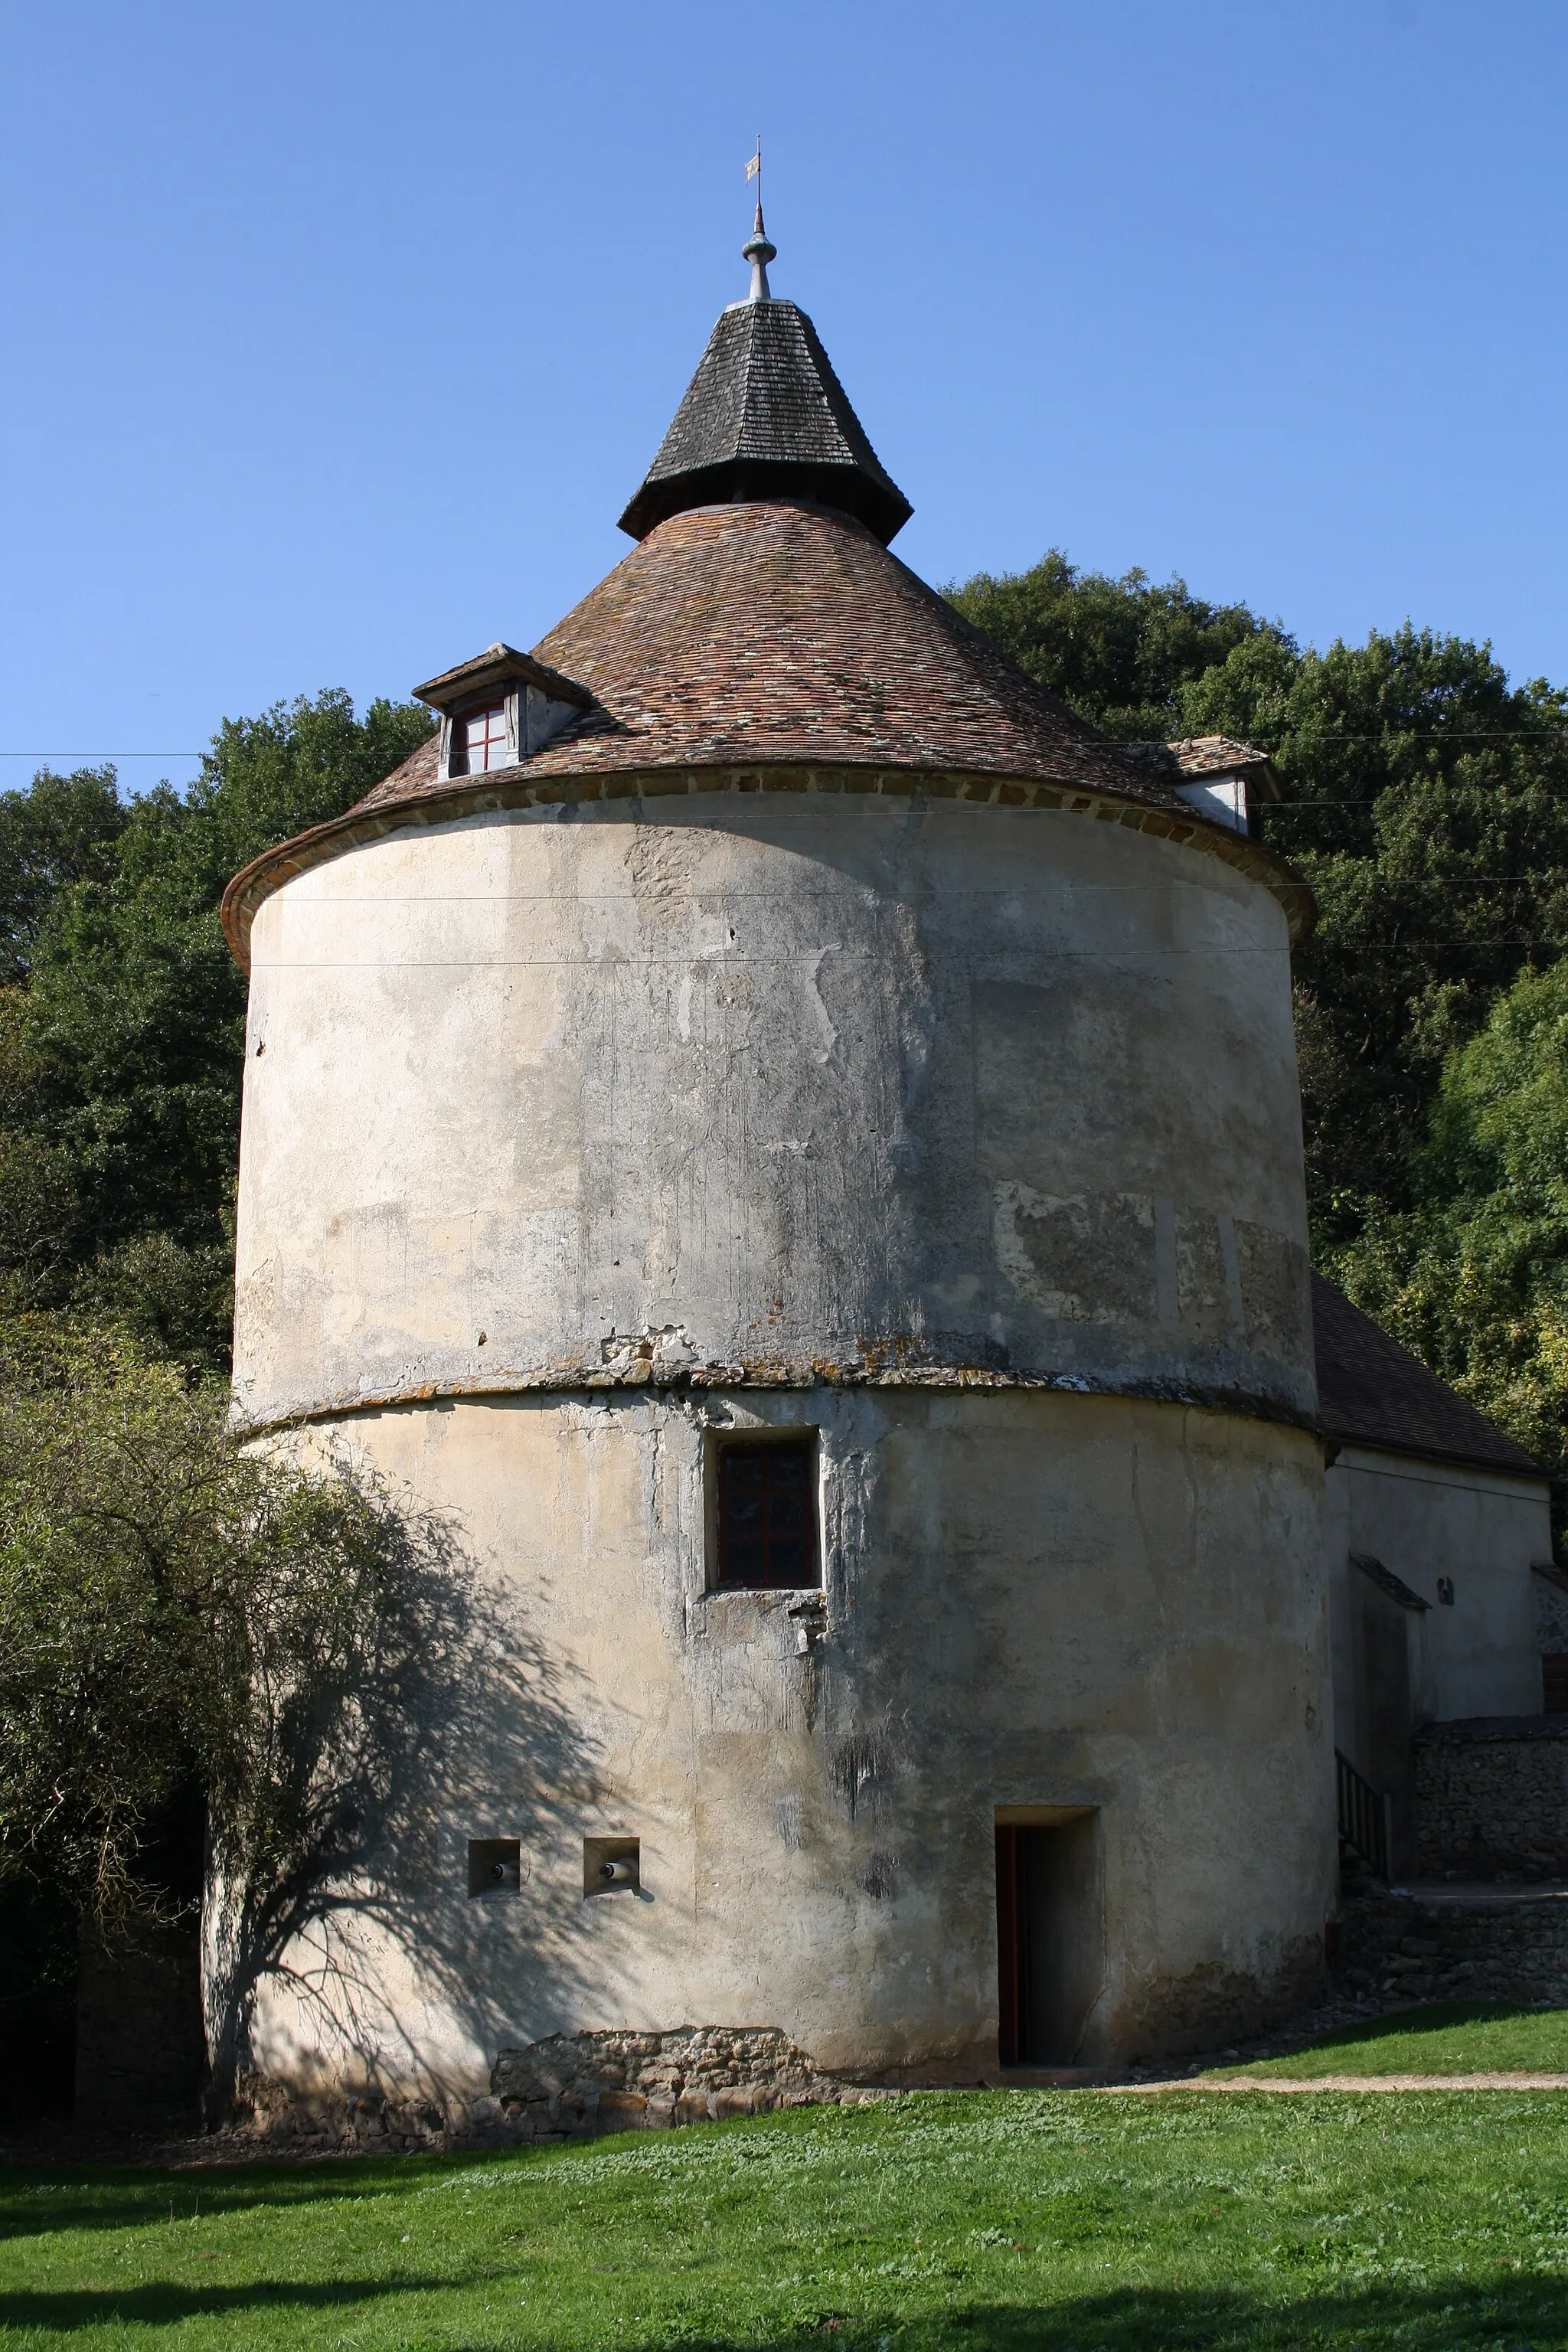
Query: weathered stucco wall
[770, 1083]
[1031, 1600]
[967, 1136]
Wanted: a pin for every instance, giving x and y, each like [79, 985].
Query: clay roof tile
[783, 631]
[1372, 1391]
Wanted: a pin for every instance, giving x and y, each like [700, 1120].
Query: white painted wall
[1426, 1520]
[1220, 798]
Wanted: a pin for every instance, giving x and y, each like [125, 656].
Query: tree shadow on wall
[389, 1700]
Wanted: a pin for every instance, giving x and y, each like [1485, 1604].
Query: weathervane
[756, 249]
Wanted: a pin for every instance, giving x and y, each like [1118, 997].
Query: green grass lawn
[1052, 2219]
[1444, 2037]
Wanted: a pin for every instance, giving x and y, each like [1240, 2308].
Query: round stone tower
[792, 1145]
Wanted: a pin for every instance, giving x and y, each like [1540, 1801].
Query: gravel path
[1347, 2082]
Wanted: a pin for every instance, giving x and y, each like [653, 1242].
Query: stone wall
[796, 1805]
[1549, 1588]
[1492, 1798]
[1513, 1950]
[791, 1115]
[832, 1087]
[574, 2083]
[370, 2121]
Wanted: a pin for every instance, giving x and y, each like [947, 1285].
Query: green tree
[1119, 651]
[1426, 801]
[38, 1206]
[1473, 1275]
[174, 1604]
[134, 1011]
[273, 1633]
[60, 830]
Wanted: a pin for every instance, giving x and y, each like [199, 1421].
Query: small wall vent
[612, 1865]
[495, 1866]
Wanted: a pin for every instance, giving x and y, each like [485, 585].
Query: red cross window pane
[479, 741]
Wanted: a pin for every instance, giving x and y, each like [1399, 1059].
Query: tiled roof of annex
[776, 631]
[1372, 1391]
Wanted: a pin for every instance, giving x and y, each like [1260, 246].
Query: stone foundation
[1492, 1798]
[366, 2121]
[1392, 1950]
[576, 2083]
[571, 2086]
[1212, 2006]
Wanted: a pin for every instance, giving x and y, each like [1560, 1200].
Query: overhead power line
[103, 755]
[1553, 729]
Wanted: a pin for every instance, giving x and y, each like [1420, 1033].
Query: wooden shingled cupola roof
[765, 417]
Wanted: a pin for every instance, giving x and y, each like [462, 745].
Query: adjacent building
[1438, 1550]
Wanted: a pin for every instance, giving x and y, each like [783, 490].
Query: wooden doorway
[1050, 1935]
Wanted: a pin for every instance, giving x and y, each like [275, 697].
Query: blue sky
[337, 335]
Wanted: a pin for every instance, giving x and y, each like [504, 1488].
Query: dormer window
[499, 709]
[1226, 782]
[479, 741]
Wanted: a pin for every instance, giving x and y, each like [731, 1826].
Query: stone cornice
[642, 1375]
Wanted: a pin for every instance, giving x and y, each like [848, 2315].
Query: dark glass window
[479, 741]
[767, 1524]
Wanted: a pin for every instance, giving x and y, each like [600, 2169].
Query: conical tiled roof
[774, 631]
[765, 417]
[776, 645]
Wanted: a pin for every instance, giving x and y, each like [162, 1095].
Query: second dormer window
[479, 740]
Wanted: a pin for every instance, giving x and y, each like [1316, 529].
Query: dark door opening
[1049, 1937]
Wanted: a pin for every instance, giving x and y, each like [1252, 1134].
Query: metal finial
[759, 253]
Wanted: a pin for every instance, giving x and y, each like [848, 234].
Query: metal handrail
[1364, 1815]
